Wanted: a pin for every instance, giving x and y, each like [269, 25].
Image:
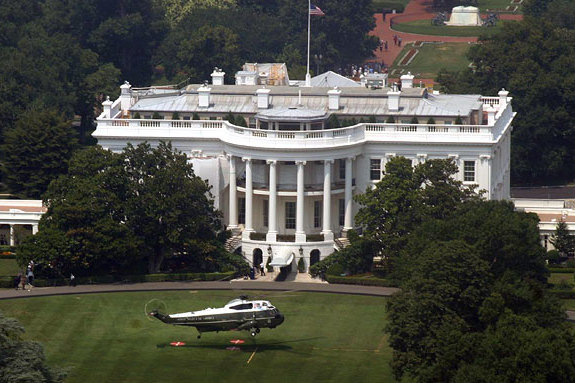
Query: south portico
[296, 214]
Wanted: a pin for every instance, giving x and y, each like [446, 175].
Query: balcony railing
[254, 236]
[226, 132]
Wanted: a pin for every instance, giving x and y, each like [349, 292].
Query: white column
[348, 222]
[233, 218]
[271, 236]
[326, 230]
[12, 236]
[249, 199]
[34, 229]
[299, 231]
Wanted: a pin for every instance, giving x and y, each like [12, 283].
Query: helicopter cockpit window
[243, 306]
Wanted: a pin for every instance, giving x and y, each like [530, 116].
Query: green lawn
[9, 268]
[107, 338]
[424, 27]
[565, 278]
[492, 5]
[398, 5]
[433, 57]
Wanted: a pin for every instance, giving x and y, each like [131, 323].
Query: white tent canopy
[284, 257]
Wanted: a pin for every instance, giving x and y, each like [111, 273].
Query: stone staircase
[341, 243]
[233, 243]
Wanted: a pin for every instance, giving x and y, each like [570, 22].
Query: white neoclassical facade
[285, 183]
[18, 219]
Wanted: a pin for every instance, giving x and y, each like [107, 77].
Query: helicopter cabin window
[243, 306]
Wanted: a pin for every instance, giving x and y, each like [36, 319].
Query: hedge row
[359, 281]
[563, 294]
[7, 282]
[564, 270]
[8, 256]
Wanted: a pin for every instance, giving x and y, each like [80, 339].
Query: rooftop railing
[223, 130]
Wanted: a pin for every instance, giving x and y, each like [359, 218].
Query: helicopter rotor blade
[154, 305]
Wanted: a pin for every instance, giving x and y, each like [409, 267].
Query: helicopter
[237, 314]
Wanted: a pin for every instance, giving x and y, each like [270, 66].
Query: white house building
[285, 183]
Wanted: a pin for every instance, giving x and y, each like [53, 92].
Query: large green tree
[36, 151]
[468, 282]
[406, 196]
[125, 213]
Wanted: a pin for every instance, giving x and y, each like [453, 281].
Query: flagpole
[307, 75]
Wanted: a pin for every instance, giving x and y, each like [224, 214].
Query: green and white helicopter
[238, 314]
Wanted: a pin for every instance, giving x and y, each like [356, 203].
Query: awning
[284, 257]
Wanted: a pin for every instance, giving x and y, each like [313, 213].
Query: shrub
[390, 120]
[175, 116]
[268, 267]
[195, 116]
[570, 263]
[156, 116]
[359, 281]
[335, 269]
[553, 256]
[414, 120]
[137, 116]
[458, 121]
[431, 121]
[301, 265]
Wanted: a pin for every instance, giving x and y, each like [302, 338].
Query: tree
[20, 360]
[562, 240]
[36, 151]
[404, 197]
[168, 207]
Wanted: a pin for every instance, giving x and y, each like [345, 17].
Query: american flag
[315, 11]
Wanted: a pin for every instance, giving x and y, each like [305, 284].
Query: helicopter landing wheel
[199, 336]
[253, 333]
[257, 330]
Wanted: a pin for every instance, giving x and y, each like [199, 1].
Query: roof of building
[331, 79]
[353, 101]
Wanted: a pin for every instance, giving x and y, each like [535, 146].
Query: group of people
[25, 279]
[355, 71]
[397, 40]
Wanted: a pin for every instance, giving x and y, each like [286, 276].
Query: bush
[553, 256]
[301, 265]
[137, 116]
[175, 116]
[563, 294]
[562, 270]
[390, 120]
[335, 269]
[156, 116]
[359, 281]
[414, 120]
[431, 121]
[570, 263]
[101, 279]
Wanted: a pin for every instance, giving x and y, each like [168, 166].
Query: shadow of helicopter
[249, 346]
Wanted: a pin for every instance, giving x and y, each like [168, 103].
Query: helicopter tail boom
[160, 316]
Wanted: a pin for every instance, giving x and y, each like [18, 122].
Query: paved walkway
[233, 285]
[415, 10]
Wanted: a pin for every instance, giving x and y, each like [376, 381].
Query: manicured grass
[398, 5]
[107, 338]
[493, 5]
[432, 57]
[424, 27]
[557, 278]
[9, 268]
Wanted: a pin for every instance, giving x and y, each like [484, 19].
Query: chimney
[107, 105]
[125, 96]
[491, 111]
[502, 98]
[333, 98]
[204, 96]
[263, 95]
[407, 81]
[218, 76]
[393, 99]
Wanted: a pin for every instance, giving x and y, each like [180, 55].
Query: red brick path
[415, 10]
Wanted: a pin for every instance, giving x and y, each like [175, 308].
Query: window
[317, 212]
[469, 171]
[342, 169]
[341, 212]
[243, 306]
[290, 215]
[266, 213]
[375, 169]
[242, 211]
